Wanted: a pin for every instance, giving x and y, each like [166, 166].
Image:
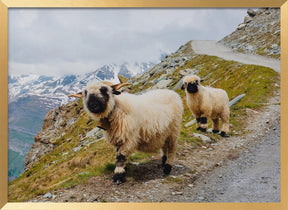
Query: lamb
[146, 122]
[207, 102]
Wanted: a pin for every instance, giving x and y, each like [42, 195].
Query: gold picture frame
[6, 4]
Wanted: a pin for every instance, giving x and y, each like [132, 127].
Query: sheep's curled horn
[114, 87]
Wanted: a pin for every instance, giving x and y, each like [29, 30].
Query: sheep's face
[98, 98]
[191, 83]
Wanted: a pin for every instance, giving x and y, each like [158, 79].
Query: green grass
[139, 157]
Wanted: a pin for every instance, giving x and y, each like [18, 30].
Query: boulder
[204, 138]
[47, 195]
[187, 72]
[247, 19]
[251, 12]
[163, 83]
[241, 26]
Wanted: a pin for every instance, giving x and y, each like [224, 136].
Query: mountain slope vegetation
[70, 150]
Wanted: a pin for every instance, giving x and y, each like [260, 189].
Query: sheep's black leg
[164, 159]
[165, 150]
[203, 121]
[198, 120]
[224, 134]
[168, 160]
[167, 166]
[215, 125]
[225, 126]
[119, 172]
[167, 169]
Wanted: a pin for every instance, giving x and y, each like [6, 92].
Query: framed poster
[175, 198]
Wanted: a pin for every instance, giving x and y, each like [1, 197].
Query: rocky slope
[258, 34]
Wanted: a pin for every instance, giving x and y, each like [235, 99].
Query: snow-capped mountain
[56, 89]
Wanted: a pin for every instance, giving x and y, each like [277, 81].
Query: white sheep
[146, 122]
[207, 102]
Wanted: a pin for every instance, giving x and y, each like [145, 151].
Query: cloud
[66, 39]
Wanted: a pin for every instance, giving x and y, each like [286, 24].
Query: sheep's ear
[183, 86]
[77, 95]
[116, 92]
[118, 86]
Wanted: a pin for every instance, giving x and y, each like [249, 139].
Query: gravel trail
[253, 177]
[213, 48]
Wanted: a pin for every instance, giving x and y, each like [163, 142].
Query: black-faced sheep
[207, 102]
[146, 122]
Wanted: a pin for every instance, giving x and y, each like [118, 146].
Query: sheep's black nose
[192, 88]
[95, 104]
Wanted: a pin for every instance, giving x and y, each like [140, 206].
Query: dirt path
[216, 49]
[253, 177]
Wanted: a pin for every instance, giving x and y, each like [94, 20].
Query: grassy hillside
[78, 155]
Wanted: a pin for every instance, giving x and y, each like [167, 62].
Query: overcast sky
[65, 41]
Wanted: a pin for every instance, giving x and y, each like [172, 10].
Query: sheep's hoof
[223, 134]
[167, 169]
[119, 178]
[203, 129]
[198, 129]
[164, 159]
[215, 131]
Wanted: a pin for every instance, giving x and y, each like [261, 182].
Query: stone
[47, 195]
[163, 77]
[179, 166]
[187, 72]
[256, 26]
[250, 48]
[204, 138]
[177, 193]
[178, 85]
[190, 123]
[170, 70]
[92, 133]
[236, 100]
[247, 19]
[251, 12]
[201, 198]
[277, 32]
[241, 26]
[165, 65]
[163, 83]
